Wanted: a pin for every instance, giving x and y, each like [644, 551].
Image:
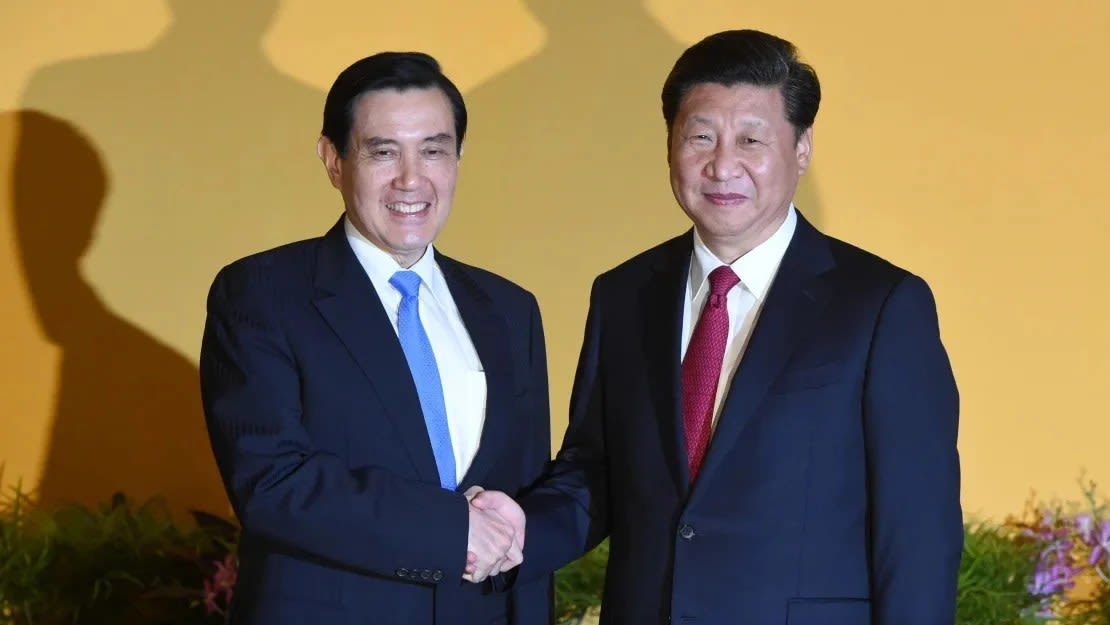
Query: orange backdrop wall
[145, 144]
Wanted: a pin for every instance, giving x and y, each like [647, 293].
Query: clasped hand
[495, 539]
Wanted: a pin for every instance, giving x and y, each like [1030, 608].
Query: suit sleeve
[539, 397]
[285, 489]
[568, 511]
[537, 448]
[911, 413]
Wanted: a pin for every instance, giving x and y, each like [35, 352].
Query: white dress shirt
[757, 271]
[460, 370]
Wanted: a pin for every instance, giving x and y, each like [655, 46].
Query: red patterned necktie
[701, 369]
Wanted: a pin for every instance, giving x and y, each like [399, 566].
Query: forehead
[714, 101]
[389, 111]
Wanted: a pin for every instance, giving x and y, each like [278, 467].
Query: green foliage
[995, 571]
[120, 564]
[578, 585]
[127, 564]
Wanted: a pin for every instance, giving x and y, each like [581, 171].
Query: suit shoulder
[676, 249]
[495, 286]
[865, 263]
[273, 269]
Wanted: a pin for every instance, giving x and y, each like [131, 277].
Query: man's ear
[329, 156]
[804, 150]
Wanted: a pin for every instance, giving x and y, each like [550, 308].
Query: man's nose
[725, 164]
[408, 174]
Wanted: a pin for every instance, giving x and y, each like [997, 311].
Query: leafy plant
[578, 585]
[128, 564]
[995, 573]
[121, 564]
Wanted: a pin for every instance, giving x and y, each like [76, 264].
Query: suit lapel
[662, 300]
[795, 300]
[347, 300]
[488, 333]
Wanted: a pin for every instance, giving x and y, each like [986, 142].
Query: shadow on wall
[142, 175]
[127, 414]
[212, 156]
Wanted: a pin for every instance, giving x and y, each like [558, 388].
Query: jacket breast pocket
[828, 612]
[800, 379]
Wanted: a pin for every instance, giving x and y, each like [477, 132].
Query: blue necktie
[425, 373]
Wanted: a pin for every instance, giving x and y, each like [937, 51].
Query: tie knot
[721, 280]
[407, 282]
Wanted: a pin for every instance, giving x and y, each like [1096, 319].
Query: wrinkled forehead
[427, 106]
[413, 110]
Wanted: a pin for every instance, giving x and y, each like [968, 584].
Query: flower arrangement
[127, 564]
[1071, 578]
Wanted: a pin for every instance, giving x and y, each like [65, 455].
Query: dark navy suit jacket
[830, 491]
[317, 429]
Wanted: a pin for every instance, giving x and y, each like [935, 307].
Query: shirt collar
[756, 269]
[380, 266]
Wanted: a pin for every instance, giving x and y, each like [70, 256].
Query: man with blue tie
[764, 418]
[358, 386]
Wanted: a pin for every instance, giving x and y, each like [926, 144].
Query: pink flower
[226, 574]
[218, 589]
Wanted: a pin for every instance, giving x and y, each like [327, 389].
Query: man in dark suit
[358, 385]
[764, 418]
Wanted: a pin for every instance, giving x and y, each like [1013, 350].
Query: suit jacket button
[438, 575]
[686, 532]
[402, 573]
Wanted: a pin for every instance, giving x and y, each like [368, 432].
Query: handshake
[495, 539]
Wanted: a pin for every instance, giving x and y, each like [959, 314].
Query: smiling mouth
[407, 208]
[725, 199]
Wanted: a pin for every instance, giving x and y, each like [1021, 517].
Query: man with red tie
[764, 418]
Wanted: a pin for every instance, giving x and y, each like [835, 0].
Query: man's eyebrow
[374, 142]
[748, 123]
